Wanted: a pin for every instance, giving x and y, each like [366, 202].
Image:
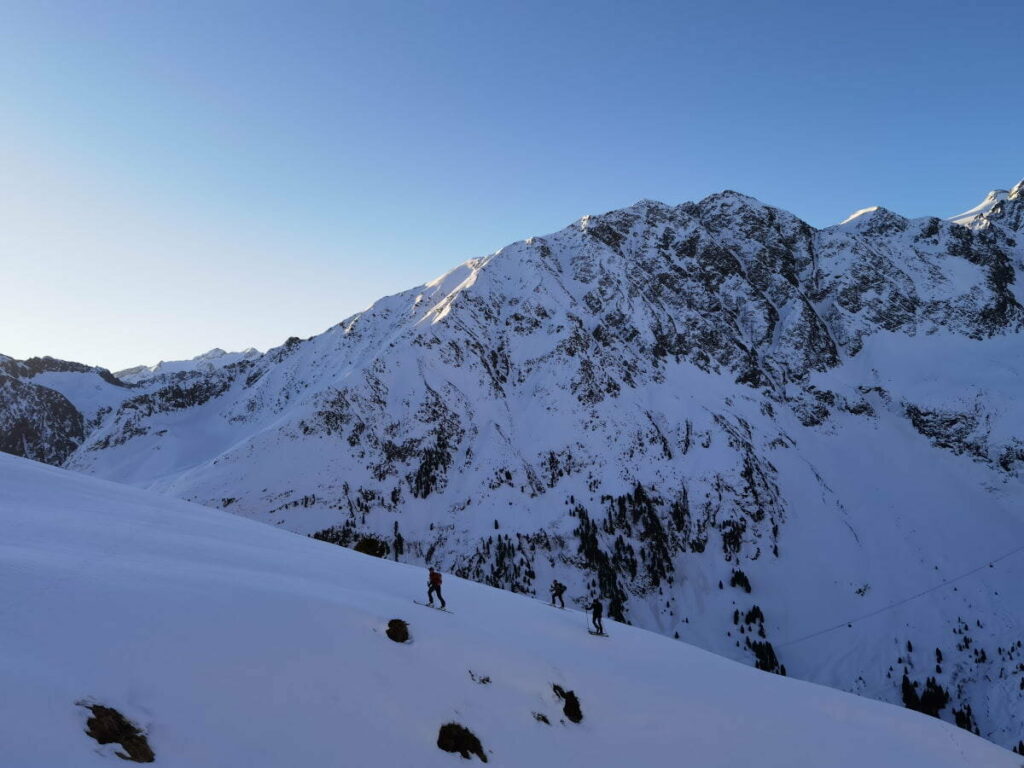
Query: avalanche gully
[802, 449]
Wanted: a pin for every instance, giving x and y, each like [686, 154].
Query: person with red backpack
[434, 587]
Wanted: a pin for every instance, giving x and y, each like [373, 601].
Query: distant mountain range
[795, 447]
[204, 363]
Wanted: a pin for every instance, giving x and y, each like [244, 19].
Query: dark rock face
[1008, 214]
[950, 430]
[108, 726]
[456, 738]
[38, 423]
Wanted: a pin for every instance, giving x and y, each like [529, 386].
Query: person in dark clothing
[434, 588]
[596, 611]
[557, 590]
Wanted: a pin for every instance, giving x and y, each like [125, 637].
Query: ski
[428, 605]
[597, 634]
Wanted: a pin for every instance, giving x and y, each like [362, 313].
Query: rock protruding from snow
[398, 630]
[453, 737]
[108, 726]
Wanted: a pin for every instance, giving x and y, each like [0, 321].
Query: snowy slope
[736, 428]
[963, 394]
[233, 644]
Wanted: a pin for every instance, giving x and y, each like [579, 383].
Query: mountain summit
[978, 213]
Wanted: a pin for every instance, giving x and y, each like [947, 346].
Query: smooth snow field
[235, 644]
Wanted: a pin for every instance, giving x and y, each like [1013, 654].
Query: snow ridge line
[904, 601]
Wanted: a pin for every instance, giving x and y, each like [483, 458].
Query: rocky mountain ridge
[204, 363]
[37, 420]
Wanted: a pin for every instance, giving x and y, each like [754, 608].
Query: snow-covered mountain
[194, 638]
[798, 448]
[207, 362]
[47, 406]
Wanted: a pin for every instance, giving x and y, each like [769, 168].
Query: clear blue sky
[182, 175]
